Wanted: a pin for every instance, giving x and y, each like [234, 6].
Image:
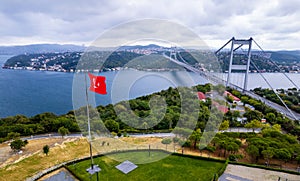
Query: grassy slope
[37, 162]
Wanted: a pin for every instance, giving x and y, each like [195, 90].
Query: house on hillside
[250, 107]
[242, 120]
[224, 109]
[235, 99]
[201, 96]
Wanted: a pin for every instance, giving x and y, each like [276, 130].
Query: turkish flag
[97, 84]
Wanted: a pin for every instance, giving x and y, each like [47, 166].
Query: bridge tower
[173, 53]
[235, 45]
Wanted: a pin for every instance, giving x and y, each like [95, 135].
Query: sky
[274, 24]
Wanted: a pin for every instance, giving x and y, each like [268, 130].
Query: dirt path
[242, 173]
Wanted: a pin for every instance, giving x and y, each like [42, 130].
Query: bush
[46, 149]
[176, 139]
[125, 134]
[233, 157]
[247, 135]
[232, 134]
[3, 140]
[18, 144]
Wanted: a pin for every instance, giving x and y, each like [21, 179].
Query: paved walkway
[243, 173]
[230, 177]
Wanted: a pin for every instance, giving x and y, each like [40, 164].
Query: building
[201, 96]
[224, 109]
[235, 99]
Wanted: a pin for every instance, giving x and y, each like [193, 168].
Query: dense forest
[151, 114]
[113, 116]
[49, 122]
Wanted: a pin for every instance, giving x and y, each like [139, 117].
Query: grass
[75, 149]
[79, 148]
[171, 167]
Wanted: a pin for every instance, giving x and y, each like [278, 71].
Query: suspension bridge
[236, 49]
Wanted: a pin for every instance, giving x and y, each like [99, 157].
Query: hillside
[39, 48]
[65, 58]
[68, 61]
[153, 61]
[286, 56]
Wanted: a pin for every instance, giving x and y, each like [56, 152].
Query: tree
[224, 125]
[63, 131]
[253, 114]
[229, 98]
[166, 141]
[298, 159]
[253, 151]
[244, 99]
[18, 144]
[271, 117]
[13, 135]
[268, 154]
[254, 124]
[182, 132]
[277, 127]
[195, 137]
[112, 125]
[210, 149]
[232, 147]
[46, 149]
[283, 154]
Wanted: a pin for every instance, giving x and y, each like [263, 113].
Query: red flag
[97, 84]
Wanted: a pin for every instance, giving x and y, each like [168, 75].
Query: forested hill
[39, 48]
[270, 61]
[68, 61]
[286, 56]
[65, 58]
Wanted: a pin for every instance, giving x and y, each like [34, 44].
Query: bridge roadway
[288, 113]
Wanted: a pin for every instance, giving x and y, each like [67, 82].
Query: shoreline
[127, 68]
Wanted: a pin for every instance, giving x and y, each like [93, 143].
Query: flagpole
[89, 123]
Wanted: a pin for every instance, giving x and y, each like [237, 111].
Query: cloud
[273, 23]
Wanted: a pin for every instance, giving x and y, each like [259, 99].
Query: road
[78, 135]
[288, 113]
[51, 135]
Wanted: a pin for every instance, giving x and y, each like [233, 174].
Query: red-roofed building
[236, 99]
[201, 96]
[222, 108]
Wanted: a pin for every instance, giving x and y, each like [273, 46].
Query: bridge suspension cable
[277, 66]
[272, 88]
[217, 79]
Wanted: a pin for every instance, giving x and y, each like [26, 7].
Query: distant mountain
[39, 48]
[285, 56]
[150, 46]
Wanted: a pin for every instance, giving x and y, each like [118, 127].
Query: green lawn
[171, 168]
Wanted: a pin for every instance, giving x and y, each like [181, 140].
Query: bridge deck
[216, 80]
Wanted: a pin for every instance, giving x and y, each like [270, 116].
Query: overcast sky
[274, 24]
